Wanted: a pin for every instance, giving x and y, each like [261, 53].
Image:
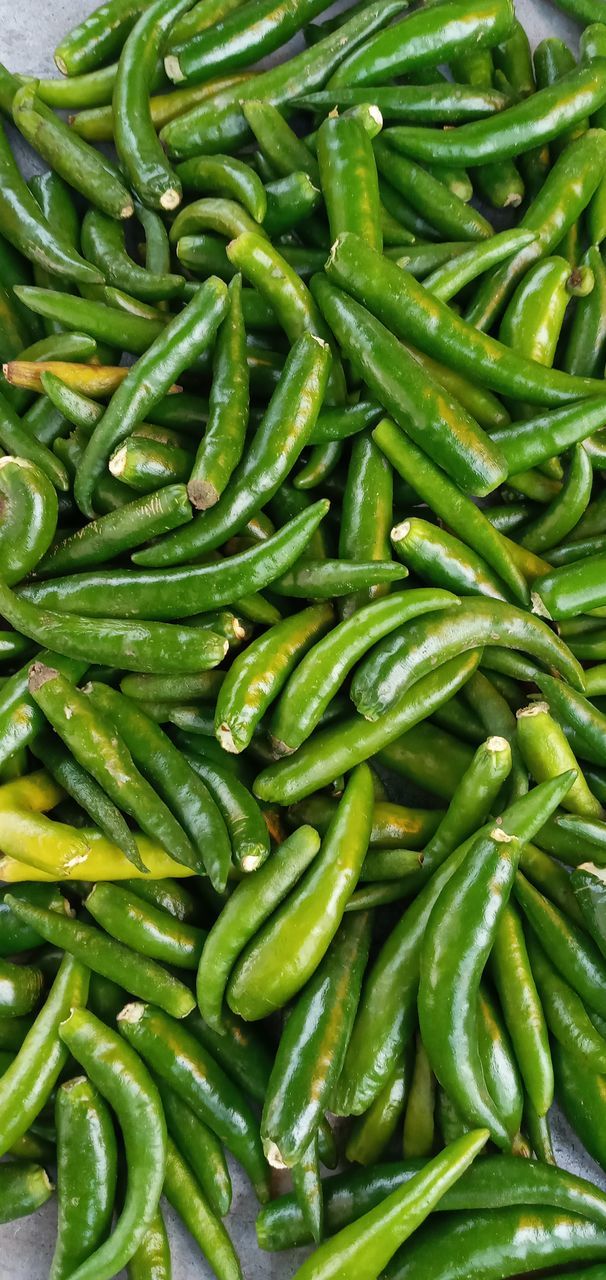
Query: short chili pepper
[86, 1174]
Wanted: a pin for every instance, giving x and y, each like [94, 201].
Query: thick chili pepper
[86, 1174]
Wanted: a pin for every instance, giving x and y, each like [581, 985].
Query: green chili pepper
[373, 1239]
[366, 514]
[587, 884]
[223, 442]
[246, 1058]
[418, 1139]
[170, 775]
[515, 982]
[139, 593]
[499, 1067]
[387, 1009]
[100, 749]
[256, 985]
[192, 1073]
[125, 1083]
[350, 742]
[199, 1146]
[27, 1084]
[445, 561]
[243, 37]
[86, 1174]
[24, 226]
[283, 150]
[103, 244]
[257, 677]
[183, 1192]
[429, 197]
[281, 436]
[83, 167]
[152, 1258]
[572, 589]
[313, 1045]
[401, 658]
[466, 933]
[547, 753]
[223, 127]
[538, 119]
[419, 404]
[565, 1013]
[319, 676]
[494, 1181]
[111, 535]
[403, 304]
[23, 1188]
[20, 988]
[510, 1240]
[248, 907]
[227, 177]
[109, 958]
[372, 1132]
[564, 512]
[144, 928]
[87, 792]
[185, 337]
[139, 150]
[585, 349]
[29, 517]
[570, 950]
[348, 177]
[427, 104]
[422, 40]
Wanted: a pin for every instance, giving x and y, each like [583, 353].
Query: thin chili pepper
[571, 951]
[319, 676]
[223, 126]
[313, 1045]
[565, 1012]
[180, 1060]
[588, 887]
[28, 1082]
[126, 1084]
[564, 512]
[249, 906]
[223, 442]
[185, 337]
[405, 655]
[185, 1195]
[412, 394]
[372, 1132]
[108, 957]
[428, 104]
[424, 39]
[351, 742]
[388, 1005]
[507, 1239]
[152, 1258]
[250, 32]
[369, 1243]
[522, 1009]
[410, 311]
[444, 561]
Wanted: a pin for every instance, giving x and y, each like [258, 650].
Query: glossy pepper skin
[223, 125]
[388, 1007]
[424, 39]
[178, 1058]
[313, 1045]
[86, 1174]
[491, 1242]
[311, 916]
[128, 1087]
[368, 1243]
[405, 306]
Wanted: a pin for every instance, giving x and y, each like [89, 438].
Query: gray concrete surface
[29, 30]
